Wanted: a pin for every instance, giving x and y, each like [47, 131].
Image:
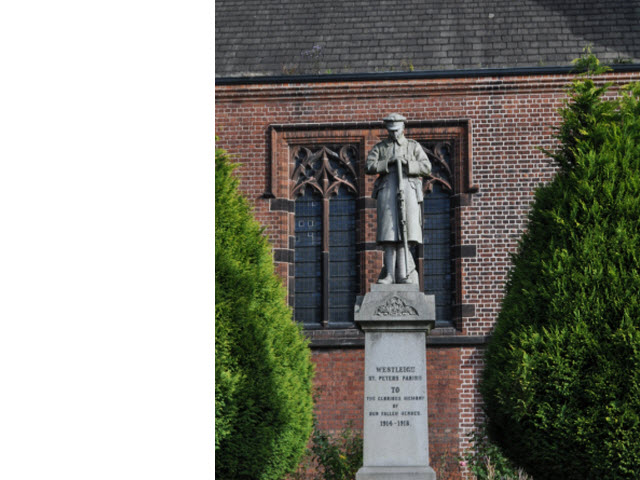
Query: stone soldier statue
[399, 199]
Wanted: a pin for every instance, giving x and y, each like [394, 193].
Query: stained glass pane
[437, 251]
[308, 259]
[343, 280]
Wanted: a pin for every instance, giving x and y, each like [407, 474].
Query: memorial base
[395, 320]
[396, 473]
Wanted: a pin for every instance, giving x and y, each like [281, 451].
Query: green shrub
[562, 378]
[332, 457]
[338, 457]
[263, 363]
[487, 462]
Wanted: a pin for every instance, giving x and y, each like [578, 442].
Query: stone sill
[354, 338]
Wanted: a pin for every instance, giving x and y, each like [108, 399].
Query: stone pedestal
[395, 319]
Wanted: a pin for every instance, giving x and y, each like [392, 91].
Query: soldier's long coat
[385, 189]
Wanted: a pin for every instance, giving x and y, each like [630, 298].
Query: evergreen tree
[562, 377]
[263, 363]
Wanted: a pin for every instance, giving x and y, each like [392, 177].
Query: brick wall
[507, 118]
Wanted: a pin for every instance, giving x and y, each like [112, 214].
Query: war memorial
[480, 90]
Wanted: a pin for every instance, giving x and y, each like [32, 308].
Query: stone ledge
[354, 338]
[396, 473]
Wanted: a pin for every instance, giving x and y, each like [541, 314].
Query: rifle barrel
[403, 219]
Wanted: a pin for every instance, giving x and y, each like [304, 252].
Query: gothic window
[325, 259]
[437, 242]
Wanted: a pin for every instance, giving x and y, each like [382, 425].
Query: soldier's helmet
[395, 121]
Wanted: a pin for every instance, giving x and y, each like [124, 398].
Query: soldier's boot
[387, 273]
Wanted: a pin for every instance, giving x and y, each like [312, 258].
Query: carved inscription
[395, 307]
[396, 404]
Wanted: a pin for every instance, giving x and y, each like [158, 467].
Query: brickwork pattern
[444, 399]
[470, 412]
[339, 388]
[509, 118]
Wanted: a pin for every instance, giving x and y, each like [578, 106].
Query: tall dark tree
[263, 363]
[562, 378]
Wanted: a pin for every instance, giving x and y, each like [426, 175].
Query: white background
[106, 239]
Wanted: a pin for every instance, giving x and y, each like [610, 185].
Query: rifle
[402, 210]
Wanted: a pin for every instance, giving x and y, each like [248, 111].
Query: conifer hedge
[562, 377]
[263, 366]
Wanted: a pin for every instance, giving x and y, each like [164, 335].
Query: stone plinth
[396, 320]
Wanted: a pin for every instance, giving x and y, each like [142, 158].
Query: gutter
[421, 75]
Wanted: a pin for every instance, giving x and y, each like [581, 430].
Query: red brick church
[301, 91]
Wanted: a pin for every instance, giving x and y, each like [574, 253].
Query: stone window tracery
[325, 259]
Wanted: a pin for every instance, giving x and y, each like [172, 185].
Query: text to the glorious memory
[395, 395]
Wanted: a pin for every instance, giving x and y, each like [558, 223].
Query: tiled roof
[292, 37]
